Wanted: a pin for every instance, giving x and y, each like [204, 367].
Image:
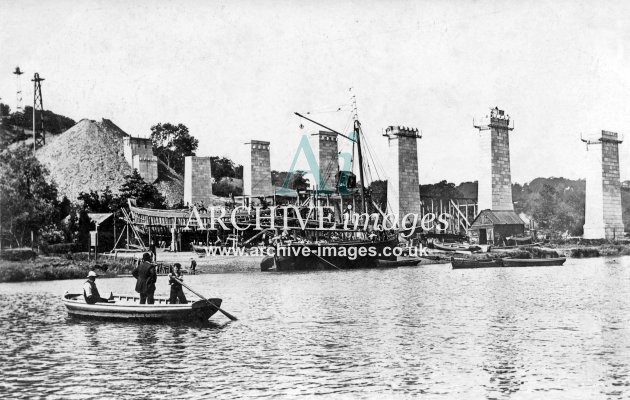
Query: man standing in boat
[177, 293]
[90, 291]
[146, 277]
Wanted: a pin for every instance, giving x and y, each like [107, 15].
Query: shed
[102, 240]
[492, 227]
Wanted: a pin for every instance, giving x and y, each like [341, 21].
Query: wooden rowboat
[533, 262]
[123, 307]
[455, 247]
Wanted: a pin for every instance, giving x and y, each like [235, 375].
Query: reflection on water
[497, 333]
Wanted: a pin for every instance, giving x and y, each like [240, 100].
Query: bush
[51, 234]
[18, 254]
[59, 248]
[581, 252]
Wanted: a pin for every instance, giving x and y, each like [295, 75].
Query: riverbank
[548, 250]
[45, 268]
[77, 266]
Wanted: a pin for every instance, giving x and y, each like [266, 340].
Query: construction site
[97, 155]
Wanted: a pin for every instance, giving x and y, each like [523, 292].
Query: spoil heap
[170, 183]
[88, 156]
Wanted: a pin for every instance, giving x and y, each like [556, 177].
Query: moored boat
[128, 307]
[533, 262]
[463, 263]
[455, 247]
[399, 263]
[344, 255]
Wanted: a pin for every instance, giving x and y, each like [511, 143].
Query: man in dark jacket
[177, 293]
[146, 277]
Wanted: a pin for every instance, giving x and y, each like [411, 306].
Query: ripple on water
[497, 333]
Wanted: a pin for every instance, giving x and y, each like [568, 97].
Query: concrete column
[257, 170]
[328, 160]
[603, 219]
[197, 180]
[403, 186]
[495, 179]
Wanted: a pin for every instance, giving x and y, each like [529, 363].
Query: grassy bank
[52, 268]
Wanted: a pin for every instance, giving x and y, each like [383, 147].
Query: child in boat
[177, 293]
[90, 292]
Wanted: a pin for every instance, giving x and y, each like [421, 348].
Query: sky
[237, 70]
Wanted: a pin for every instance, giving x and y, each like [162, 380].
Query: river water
[522, 333]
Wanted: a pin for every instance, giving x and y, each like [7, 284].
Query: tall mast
[357, 136]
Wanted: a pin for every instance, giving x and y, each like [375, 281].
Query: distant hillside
[556, 203]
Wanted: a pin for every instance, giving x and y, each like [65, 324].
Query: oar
[227, 314]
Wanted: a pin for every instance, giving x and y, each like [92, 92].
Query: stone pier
[257, 170]
[495, 180]
[197, 180]
[139, 154]
[403, 186]
[603, 189]
[328, 160]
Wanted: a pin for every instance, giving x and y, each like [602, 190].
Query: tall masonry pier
[603, 189]
[139, 154]
[403, 186]
[328, 160]
[197, 180]
[257, 170]
[495, 182]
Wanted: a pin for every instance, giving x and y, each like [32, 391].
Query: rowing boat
[533, 262]
[128, 307]
[455, 247]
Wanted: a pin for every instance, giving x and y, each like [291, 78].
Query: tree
[172, 143]
[441, 190]
[98, 203]
[224, 167]
[28, 201]
[5, 110]
[296, 180]
[146, 194]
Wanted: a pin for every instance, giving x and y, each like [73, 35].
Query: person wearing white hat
[90, 292]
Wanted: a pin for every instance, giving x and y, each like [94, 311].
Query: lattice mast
[18, 89]
[39, 135]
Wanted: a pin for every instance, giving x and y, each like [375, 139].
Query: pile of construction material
[88, 156]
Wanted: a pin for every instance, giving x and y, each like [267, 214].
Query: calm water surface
[521, 333]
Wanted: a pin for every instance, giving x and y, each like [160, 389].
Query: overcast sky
[235, 71]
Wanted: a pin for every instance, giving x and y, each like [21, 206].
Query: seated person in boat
[90, 292]
[146, 277]
[177, 293]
